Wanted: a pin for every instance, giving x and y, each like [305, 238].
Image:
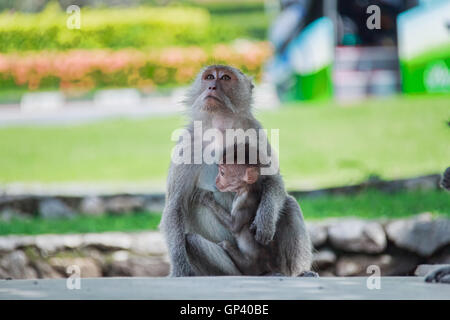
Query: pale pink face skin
[217, 85]
[235, 177]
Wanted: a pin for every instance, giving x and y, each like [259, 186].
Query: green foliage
[103, 28]
[139, 27]
[320, 145]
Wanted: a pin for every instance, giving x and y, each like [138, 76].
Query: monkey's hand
[264, 230]
[272, 200]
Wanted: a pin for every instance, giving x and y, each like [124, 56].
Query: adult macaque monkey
[221, 98]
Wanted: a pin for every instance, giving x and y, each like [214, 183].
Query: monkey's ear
[251, 175]
[250, 79]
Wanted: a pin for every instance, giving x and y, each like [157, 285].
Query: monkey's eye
[222, 173]
[209, 77]
[225, 77]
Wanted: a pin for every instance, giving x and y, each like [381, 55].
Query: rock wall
[96, 254]
[17, 203]
[343, 247]
[346, 247]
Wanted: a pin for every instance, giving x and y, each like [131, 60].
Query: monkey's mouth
[213, 97]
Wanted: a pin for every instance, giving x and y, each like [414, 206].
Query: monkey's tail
[445, 181]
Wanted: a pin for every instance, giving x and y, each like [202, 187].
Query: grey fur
[193, 232]
[441, 275]
[289, 253]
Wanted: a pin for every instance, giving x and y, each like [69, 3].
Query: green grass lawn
[82, 224]
[368, 204]
[320, 145]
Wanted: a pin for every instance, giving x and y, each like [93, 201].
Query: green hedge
[141, 27]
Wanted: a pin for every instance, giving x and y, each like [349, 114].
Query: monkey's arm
[273, 196]
[207, 199]
[174, 218]
[241, 216]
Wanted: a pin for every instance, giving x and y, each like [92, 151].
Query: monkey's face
[221, 89]
[229, 178]
[217, 86]
[235, 177]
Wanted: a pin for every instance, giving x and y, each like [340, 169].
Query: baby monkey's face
[235, 177]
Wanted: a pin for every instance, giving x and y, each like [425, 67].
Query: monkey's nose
[212, 88]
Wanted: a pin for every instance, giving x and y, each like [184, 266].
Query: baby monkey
[250, 257]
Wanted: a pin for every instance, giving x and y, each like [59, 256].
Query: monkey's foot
[309, 274]
[441, 275]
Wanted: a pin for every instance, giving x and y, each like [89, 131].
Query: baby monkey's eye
[209, 77]
[225, 77]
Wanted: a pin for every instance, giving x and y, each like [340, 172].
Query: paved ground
[225, 288]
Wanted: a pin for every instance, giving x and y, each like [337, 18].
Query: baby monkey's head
[237, 176]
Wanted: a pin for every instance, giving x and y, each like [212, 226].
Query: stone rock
[108, 241]
[8, 214]
[441, 257]
[49, 243]
[149, 243]
[324, 258]
[54, 209]
[96, 255]
[92, 206]
[10, 243]
[317, 233]
[354, 235]
[422, 183]
[125, 264]
[121, 255]
[21, 203]
[155, 203]
[124, 204]
[420, 234]
[88, 267]
[4, 274]
[389, 265]
[44, 270]
[15, 264]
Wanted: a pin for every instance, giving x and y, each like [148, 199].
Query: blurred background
[91, 91]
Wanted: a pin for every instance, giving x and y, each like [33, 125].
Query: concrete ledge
[226, 288]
